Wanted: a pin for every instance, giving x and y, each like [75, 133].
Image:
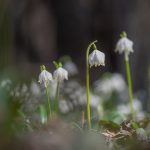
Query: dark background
[33, 32]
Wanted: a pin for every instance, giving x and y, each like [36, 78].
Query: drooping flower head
[45, 77]
[124, 45]
[60, 74]
[96, 58]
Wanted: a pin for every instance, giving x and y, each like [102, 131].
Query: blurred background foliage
[6, 35]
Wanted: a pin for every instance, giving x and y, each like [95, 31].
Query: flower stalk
[44, 78]
[128, 74]
[56, 103]
[125, 45]
[88, 84]
[60, 74]
[49, 104]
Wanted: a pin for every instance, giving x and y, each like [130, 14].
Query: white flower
[60, 74]
[124, 45]
[45, 77]
[96, 58]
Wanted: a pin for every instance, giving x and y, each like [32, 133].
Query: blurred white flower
[71, 86]
[96, 58]
[20, 91]
[24, 89]
[110, 84]
[35, 89]
[82, 99]
[71, 68]
[137, 105]
[103, 86]
[95, 100]
[6, 83]
[124, 45]
[141, 134]
[16, 91]
[140, 116]
[60, 74]
[63, 106]
[118, 82]
[45, 77]
[123, 109]
[76, 96]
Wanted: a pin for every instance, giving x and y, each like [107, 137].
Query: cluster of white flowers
[20, 91]
[74, 96]
[6, 83]
[107, 85]
[95, 58]
[125, 108]
[46, 77]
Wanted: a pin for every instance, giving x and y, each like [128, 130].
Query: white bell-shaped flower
[60, 74]
[96, 58]
[124, 45]
[45, 77]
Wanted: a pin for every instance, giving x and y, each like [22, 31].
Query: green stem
[128, 73]
[56, 98]
[49, 104]
[88, 84]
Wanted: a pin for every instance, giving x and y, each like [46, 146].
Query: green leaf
[110, 125]
[135, 125]
[43, 114]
